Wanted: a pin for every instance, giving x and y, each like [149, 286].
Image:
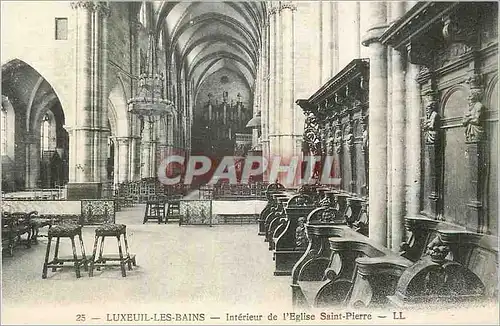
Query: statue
[338, 139]
[348, 138]
[431, 126]
[364, 144]
[474, 130]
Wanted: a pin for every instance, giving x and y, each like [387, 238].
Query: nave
[226, 266]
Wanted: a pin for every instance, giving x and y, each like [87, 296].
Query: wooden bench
[286, 251]
[271, 189]
[440, 263]
[457, 267]
[347, 253]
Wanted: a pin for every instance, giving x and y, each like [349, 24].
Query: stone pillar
[122, 146]
[273, 42]
[103, 61]
[377, 123]
[134, 158]
[398, 139]
[153, 148]
[413, 143]
[146, 150]
[287, 107]
[357, 31]
[334, 38]
[265, 108]
[325, 40]
[88, 132]
[32, 162]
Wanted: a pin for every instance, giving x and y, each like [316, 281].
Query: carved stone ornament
[437, 250]
[432, 118]
[99, 7]
[348, 135]
[288, 5]
[272, 11]
[338, 138]
[311, 135]
[365, 139]
[474, 129]
[456, 29]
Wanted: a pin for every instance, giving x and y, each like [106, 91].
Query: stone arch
[11, 64]
[491, 94]
[118, 110]
[10, 119]
[448, 107]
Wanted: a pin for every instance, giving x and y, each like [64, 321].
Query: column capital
[100, 7]
[272, 11]
[287, 5]
[122, 140]
[136, 25]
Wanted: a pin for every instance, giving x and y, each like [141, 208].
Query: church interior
[396, 100]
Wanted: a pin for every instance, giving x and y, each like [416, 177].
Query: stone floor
[190, 268]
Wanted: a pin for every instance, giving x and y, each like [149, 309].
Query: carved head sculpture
[475, 95]
[474, 83]
[430, 99]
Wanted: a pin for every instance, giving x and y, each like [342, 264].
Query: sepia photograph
[249, 162]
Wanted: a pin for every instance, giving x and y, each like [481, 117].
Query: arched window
[3, 131]
[45, 133]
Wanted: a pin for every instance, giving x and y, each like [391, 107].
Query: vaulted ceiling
[209, 36]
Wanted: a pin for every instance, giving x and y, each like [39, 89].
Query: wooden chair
[154, 210]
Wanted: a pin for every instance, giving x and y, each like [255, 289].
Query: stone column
[357, 31]
[104, 95]
[398, 139]
[146, 149]
[116, 161]
[377, 123]
[334, 38]
[170, 139]
[122, 145]
[89, 132]
[134, 158]
[153, 148]
[325, 40]
[273, 42]
[32, 162]
[265, 93]
[413, 142]
[287, 107]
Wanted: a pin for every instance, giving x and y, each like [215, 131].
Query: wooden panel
[455, 183]
[346, 170]
[360, 169]
[196, 212]
[456, 103]
[492, 178]
[484, 263]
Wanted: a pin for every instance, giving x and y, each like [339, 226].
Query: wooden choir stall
[319, 233]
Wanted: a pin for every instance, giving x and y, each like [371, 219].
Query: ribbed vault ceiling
[209, 36]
